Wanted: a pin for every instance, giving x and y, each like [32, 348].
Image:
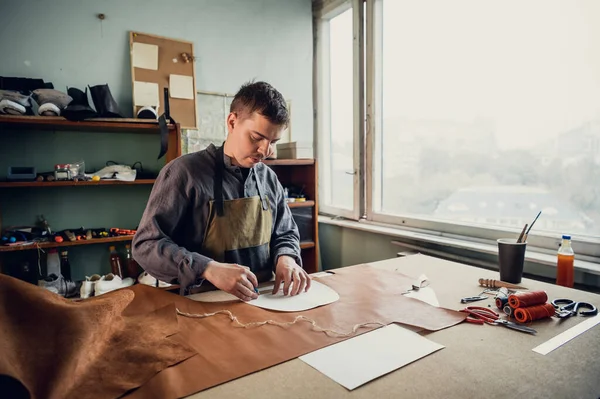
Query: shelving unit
[102, 125]
[94, 126]
[298, 172]
[302, 172]
[306, 204]
[44, 245]
[64, 183]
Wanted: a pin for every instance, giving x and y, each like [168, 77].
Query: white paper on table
[318, 295]
[322, 274]
[426, 294]
[181, 86]
[145, 93]
[145, 56]
[356, 361]
[566, 336]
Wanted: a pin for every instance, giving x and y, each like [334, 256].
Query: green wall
[341, 247]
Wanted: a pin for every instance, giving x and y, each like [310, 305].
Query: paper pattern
[318, 295]
[356, 361]
[145, 56]
[181, 86]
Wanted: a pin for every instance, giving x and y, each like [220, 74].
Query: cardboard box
[295, 150]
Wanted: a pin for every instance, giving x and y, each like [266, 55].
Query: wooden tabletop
[478, 361]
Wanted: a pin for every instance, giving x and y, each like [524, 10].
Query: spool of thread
[527, 299]
[508, 310]
[501, 302]
[531, 313]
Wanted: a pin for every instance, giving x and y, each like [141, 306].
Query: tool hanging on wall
[163, 122]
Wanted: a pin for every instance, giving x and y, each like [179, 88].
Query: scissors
[571, 308]
[479, 315]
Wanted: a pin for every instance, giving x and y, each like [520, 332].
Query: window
[480, 115]
[336, 102]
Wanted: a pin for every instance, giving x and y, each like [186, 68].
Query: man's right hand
[232, 278]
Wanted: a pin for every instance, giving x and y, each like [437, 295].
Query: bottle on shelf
[131, 266]
[65, 265]
[565, 267]
[115, 262]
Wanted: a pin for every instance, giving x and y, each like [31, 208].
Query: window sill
[533, 254]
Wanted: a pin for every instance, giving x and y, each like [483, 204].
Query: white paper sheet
[145, 56]
[322, 274]
[566, 336]
[318, 295]
[426, 295]
[181, 86]
[145, 93]
[356, 361]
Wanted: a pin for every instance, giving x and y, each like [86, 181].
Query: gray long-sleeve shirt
[169, 238]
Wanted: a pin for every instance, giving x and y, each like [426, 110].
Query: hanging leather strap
[163, 123]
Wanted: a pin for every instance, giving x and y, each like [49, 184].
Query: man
[220, 214]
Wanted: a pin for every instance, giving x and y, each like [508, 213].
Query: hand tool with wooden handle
[488, 282]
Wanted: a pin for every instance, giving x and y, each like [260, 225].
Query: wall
[234, 40]
[340, 247]
[64, 43]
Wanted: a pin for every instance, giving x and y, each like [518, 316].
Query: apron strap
[263, 197]
[218, 182]
[218, 185]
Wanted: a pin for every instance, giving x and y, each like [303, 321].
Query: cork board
[169, 61]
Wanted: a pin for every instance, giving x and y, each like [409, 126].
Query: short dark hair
[263, 98]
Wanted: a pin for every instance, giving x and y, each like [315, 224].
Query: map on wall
[213, 109]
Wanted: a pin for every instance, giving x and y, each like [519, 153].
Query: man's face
[251, 139]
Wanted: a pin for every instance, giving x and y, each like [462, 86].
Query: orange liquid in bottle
[565, 270]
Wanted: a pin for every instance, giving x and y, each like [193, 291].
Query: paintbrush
[532, 223]
[522, 234]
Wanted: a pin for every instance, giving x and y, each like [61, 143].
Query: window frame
[368, 82]
[322, 100]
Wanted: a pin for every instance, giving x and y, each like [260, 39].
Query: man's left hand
[288, 272]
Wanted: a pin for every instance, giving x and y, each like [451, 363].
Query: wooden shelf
[44, 245]
[289, 162]
[8, 184]
[108, 125]
[307, 244]
[305, 204]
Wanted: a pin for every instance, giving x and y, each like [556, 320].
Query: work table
[477, 361]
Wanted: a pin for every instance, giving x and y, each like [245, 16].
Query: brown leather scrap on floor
[58, 348]
[226, 352]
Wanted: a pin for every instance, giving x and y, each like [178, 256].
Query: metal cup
[511, 257]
